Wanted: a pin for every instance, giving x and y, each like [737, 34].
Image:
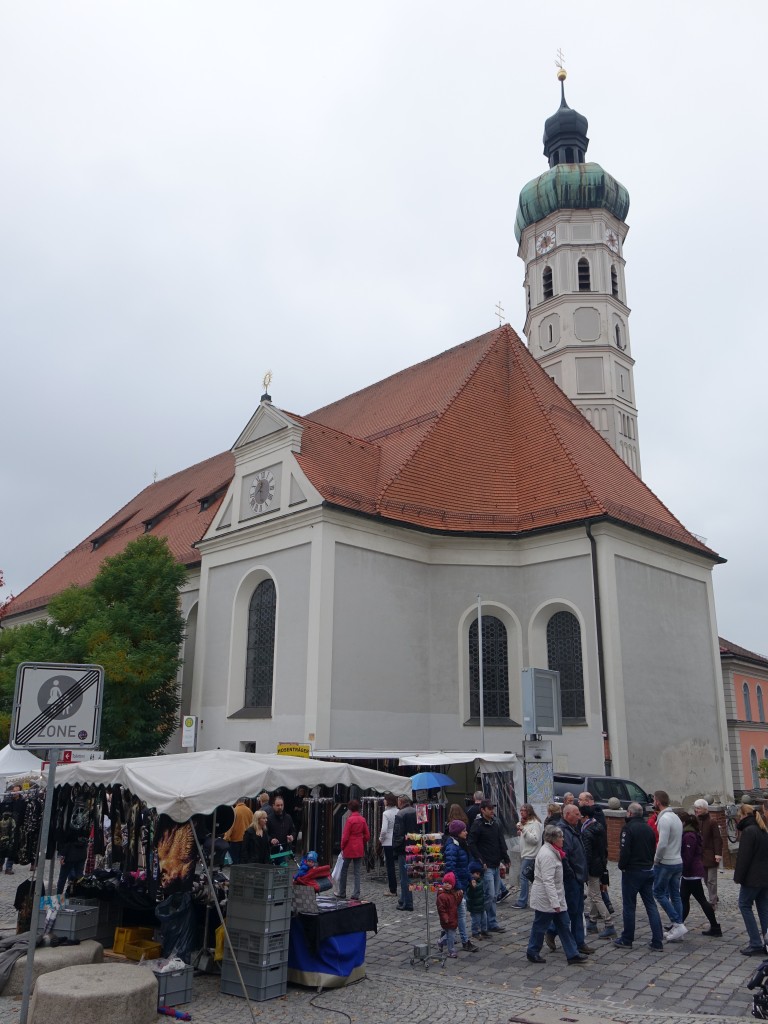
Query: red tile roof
[185, 523]
[731, 650]
[478, 440]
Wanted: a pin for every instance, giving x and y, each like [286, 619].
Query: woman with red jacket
[353, 840]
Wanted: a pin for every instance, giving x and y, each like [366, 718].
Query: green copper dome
[570, 187]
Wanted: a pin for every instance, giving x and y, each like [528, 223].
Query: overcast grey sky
[196, 192]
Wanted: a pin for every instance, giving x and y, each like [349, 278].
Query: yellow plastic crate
[143, 949]
[124, 936]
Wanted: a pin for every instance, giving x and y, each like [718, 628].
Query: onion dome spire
[565, 133]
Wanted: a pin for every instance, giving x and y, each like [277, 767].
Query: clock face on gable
[262, 491]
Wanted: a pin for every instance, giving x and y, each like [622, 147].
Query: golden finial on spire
[562, 74]
[266, 380]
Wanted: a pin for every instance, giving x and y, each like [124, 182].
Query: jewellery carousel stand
[422, 951]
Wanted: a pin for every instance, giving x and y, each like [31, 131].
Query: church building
[337, 557]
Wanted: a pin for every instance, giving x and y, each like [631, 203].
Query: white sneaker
[676, 932]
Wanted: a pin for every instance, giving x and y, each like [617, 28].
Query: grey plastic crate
[110, 917]
[253, 916]
[261, 983]
[254, 949]
[259, 882]
[74, 923]
[174, 988]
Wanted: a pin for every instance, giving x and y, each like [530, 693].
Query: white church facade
[336, 558]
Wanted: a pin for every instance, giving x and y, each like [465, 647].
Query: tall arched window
[546, 281]
[753, 766]
[614, 282]
[760, 708]
[260, 655]
[747, 705]
[564, 656]
[495, 669]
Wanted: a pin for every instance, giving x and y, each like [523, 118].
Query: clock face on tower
[262, 491]
[545, 243]
[612, 240]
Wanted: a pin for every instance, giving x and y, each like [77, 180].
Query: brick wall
[614, 821]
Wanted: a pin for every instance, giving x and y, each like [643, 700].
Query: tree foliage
[128, 620]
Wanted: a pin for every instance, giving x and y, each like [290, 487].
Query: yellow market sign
[294, 749]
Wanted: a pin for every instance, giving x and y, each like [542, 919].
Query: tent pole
[207, 870]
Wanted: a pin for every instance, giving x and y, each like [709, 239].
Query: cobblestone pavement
[699, 976]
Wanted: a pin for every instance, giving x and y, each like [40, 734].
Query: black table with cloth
[327, 950]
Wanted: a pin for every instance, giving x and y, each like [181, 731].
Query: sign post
[54, 706]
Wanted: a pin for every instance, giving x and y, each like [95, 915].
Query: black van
[602, 788]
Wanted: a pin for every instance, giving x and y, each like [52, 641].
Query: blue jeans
[406, 896]
[574, 900]
[479, 922]
[543, 922]
[525, 885]
[666, 890]
[634, 883]
[389, 860]
[749, 895]
[356, 863]
[491, 880]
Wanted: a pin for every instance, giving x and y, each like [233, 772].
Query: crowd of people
[667, 859]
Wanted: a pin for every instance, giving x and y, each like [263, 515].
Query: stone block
[95, 992]
[53, 958]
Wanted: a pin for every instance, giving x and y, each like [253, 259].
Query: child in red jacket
[448, 900]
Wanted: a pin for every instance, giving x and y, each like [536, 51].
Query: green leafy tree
[127, 620]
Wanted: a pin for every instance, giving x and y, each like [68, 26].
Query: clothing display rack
[372, 809]
[318, 827]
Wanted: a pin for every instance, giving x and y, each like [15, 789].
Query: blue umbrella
[430, 780]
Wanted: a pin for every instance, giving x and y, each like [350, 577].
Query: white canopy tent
[483, 762]
[181, 785]
[18, 762]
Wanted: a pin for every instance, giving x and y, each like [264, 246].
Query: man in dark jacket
[405, 822]
[280, 827]
[637, 849]
[487, 844]
[711, 848]
[751, 874]
[595, 844]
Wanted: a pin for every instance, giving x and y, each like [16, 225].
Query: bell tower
[571, 229]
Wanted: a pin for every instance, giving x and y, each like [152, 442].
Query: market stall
[155, 807]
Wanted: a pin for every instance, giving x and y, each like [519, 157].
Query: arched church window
[614, 282]
[747, 705]
[260, 655]
[760, 708]
[584, 275]
[753, 766]
[564, 656]
[495, 669]
[546, 281]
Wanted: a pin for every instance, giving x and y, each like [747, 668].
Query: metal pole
[53, 756]
[480, 671]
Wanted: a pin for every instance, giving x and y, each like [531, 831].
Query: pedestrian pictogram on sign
[57, 706]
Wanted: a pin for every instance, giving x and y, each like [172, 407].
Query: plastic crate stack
[259, 923]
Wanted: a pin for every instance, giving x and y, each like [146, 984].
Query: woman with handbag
[529, 829]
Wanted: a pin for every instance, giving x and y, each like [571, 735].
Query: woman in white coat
[548, 900]
[529, 829]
